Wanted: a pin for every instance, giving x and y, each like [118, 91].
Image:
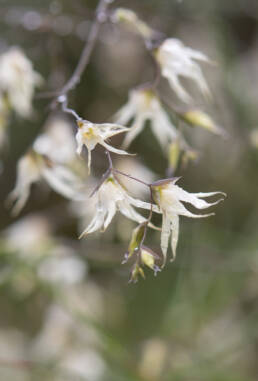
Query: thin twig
[130, 177]
[109, 160]
[88, 47]
[61, 96]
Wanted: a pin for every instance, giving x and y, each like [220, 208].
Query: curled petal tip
[82, 235]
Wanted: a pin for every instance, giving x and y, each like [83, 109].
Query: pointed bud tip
[164, 182]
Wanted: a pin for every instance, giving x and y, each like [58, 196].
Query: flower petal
[176, 85]
[128, 211]
[125, 113]
[96, 223]
[115, 150]
[106, 130]
[163, 128]
[143, 204]
[193, 198]
[110, 214]
[165, 233]
[134, 130]
[63, 182]
[175, 233]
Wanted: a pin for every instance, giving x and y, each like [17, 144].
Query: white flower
[169, 197]
[57, 142]
[33, 167]
[109, 198]
[177, 60]
[18, 80]
[144, 105]
[90, 134]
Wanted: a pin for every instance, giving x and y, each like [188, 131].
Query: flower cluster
[53, 153]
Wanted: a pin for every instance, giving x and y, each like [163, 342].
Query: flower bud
[201, 119]
[148, 258]
[136, 239]
[189, 155]
[136, 271]
[174, 154]
[130, 18]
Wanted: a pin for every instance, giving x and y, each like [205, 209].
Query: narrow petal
[110, 214]
[21, 199]
[128, 211]
[57, 179]
[197, 55]
[134, 130]
[175, 233]
[79, 147]
[96, 223]
[125, 114]
[115, 150]
[199, 79]
[208, 194]
[176, 85]
[193, 198]
[106, 130]
[89, 161]
[163, 128]
[143, 204]
[165, 233]
[179, 208]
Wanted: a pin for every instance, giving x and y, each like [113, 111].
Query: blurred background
[67, 310]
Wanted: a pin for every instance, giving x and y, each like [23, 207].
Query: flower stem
[130, 177]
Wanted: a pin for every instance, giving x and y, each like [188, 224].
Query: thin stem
[149, 218]
[109, 160]
[88, 47]
[63, 100]
[61, 95]
[130, 177]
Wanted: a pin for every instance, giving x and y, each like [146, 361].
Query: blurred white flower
[33, 167]
[144, 105]
[169, 197]
[63, 266]
[57, 142]
[29, 235]
[176, 60]
[56, 329]
[109, 198]
[85, 363]
[18, 80]
[90, 134]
